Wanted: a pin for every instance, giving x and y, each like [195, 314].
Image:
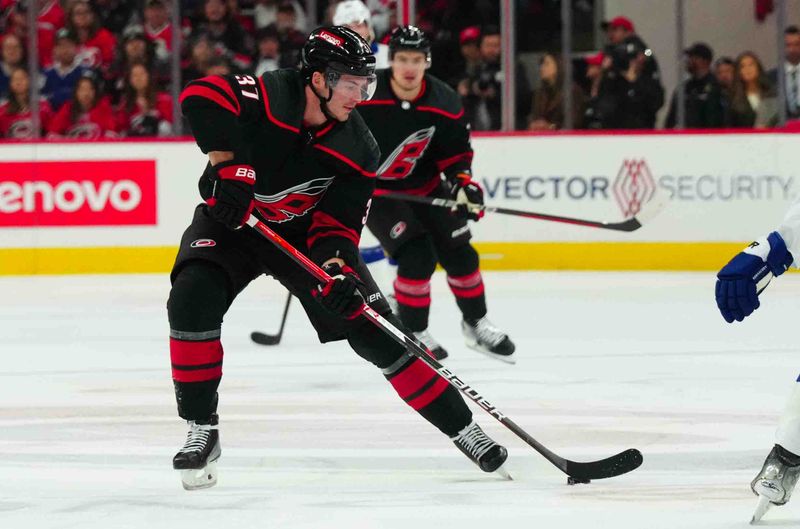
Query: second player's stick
[648, 211]
[615, 465]
[273, 339]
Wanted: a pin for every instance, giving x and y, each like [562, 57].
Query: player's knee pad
[416, 259]
[374, 345]
[199, 297]
[460, 260]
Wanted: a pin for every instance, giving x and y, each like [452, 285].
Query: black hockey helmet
[409, 38]
[339, 49]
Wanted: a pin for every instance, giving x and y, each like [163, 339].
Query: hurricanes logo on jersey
[293, 202]
[405, 157]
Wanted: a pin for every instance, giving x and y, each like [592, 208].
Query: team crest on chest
[402, 161]
[293, 202]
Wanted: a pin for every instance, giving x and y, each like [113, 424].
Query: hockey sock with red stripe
[469, 293]
[414, 301]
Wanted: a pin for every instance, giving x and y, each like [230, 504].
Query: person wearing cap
[60, 78]
[594, 74]
[355, 15]
[703, 95]
[619, 31]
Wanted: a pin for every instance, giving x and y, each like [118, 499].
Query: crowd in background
[105, 66]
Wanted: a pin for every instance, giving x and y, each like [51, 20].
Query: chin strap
[323, 102]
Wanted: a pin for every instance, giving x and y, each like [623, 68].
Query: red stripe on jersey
[332, 228]
[346, 160]
[418, 302]
[412, 378]
[429, 395]
[324, 131]
[185, 353]
[208, 93]
[378, 102]
[447, 162]
[421, 92]
[269, 113]
[442, 112]
[221, 83]
[419, 191]
[197, 375]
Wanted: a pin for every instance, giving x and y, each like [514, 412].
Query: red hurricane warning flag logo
[293, 202]
[634, 186]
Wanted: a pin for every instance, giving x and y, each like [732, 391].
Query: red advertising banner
[78, 193]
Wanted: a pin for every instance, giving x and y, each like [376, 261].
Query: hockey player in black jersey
[419, 124]
[290, 148]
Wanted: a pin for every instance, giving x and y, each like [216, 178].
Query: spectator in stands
[15, 114]
[594, 75]
[627, 97]
[143, 110]
[225, 34]
[483, 103]
[469, 61]
[754, 102]
[791, 47]
[45, 30]
[12, 56]
[291, 40]
[219, 66]
[620, 30]
[51, 15]
[724, 73]
[355, 15]
[96, 44]
[269, 51]
[548, 100]
[265, 13]
[87, 116]
[60, 79]
[703, 96]
[158, 28]
[136, 48]
[200, 55]
[115, 15]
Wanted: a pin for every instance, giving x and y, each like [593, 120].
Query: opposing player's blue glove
[736, 292]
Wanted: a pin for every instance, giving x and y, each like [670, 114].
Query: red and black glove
[469, 195]
[231, 200]
[343, 294]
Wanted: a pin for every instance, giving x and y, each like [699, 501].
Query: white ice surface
[313, 437]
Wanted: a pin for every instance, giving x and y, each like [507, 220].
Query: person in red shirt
[16, 118]
[87, 116]
[143, 111]
[95, 43]
[46, 26]
[51, 15]
[157, 27]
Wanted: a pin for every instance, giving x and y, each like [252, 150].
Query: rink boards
[122, 206]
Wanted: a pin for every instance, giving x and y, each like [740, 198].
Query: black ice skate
[431, 344]
[484, 452]
[776, 481]
[484, 337]
[197, 459]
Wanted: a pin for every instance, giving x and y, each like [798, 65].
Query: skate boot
[484, 452]
[484, 337]
[776, 481]
[437, 351]
[197, 459]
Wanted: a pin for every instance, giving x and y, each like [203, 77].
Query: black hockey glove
[231, 199]
[343, 294]
[469, 195]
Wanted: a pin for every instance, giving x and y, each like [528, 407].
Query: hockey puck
[577, 481]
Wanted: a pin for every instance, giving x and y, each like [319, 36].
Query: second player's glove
[231, 200]
[736, 291]
[343, 294]
[469, 195]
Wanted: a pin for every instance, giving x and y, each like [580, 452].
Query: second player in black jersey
[290, 148]
[419, 124]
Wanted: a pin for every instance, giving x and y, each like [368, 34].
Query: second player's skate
[480, 448]
[484, 337]
[776, 481]
[431, 344]
[197, 459]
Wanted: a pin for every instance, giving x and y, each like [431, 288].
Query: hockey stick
[578, 472]
[273, 339]
[632, 224]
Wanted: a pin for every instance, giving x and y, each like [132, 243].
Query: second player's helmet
[409, 38]
[337, 50]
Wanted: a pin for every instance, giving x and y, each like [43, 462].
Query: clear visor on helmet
[352, 86]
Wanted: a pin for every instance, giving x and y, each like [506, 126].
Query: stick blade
[616, 465]
[264, 339]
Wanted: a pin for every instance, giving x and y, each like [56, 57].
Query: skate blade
[510, 359]
[761, 509]
[199, 478]
[503, 473]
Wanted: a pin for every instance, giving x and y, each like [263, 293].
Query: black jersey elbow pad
[213, 128]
